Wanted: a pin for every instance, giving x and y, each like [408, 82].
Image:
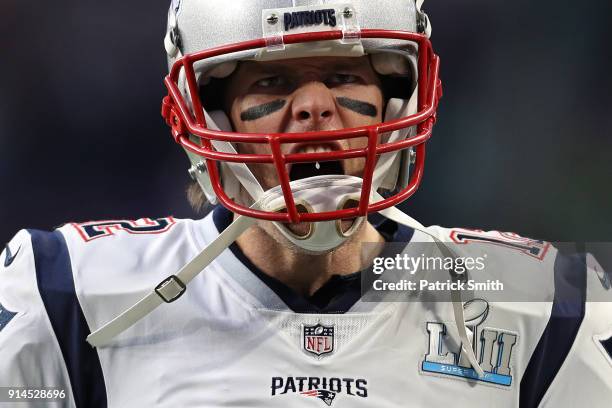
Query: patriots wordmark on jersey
[237, 338]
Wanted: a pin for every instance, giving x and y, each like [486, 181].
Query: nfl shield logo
[318, 339]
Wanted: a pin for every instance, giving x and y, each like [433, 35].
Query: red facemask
[184, 122]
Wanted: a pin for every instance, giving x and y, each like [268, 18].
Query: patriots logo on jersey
[326, 396]
[494, 346]
[5, 316]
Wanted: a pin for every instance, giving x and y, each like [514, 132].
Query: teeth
[314, 149]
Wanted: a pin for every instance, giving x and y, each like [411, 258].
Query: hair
[196, 197]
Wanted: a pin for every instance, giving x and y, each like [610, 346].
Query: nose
[313, 105]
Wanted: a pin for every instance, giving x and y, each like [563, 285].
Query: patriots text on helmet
[307, 18]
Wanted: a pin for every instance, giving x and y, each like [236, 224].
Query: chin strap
[174, 286]
[401, 218]
[171, 288]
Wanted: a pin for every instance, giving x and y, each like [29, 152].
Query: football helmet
[206, 39]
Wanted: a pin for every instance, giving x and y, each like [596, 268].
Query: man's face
[302, 95]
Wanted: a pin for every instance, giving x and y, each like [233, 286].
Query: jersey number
[98, 229]
[531, 247]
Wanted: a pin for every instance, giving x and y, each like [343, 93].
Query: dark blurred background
[522, 142]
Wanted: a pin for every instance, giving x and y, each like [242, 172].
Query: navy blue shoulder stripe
[57, 290]
[566, 317]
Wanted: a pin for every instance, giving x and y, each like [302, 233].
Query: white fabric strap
[466, 344]
[401, 218]
[172, 287]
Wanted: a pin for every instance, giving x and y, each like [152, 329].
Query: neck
[306, 273]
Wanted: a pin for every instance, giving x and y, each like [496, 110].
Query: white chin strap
[466, 344]
[174, 286]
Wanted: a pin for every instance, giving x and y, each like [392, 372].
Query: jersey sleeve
[577, 344]
[31, 299]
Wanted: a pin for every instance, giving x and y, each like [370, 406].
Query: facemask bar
[183, 123]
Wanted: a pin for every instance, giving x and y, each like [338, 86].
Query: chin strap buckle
[170, 289]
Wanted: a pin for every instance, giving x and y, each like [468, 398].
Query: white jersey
[232, 341]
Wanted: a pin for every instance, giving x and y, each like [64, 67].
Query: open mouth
[304, 170]
[300, 171]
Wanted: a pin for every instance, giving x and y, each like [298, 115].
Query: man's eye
[343, 79]
[273, 81]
